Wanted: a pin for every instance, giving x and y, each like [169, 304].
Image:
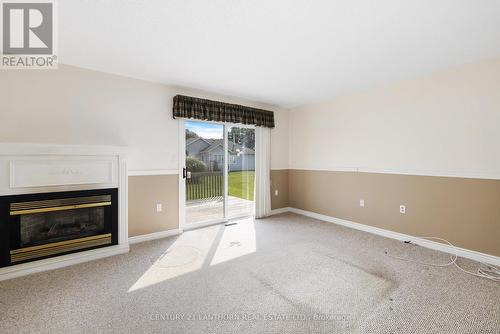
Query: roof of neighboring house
[214, 143]
[189, 141]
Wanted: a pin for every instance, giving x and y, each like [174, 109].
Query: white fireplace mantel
[39, 168]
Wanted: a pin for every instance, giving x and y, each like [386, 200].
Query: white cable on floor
[492, 273]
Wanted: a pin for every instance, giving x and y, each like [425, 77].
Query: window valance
[208, 110]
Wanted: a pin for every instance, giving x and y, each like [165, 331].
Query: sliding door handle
[184, 173]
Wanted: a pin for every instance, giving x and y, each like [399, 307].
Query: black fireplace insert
[38, 226]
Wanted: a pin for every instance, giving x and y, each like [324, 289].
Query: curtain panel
[262, 191]
[208, 110]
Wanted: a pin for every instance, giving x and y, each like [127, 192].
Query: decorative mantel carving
[62, 172]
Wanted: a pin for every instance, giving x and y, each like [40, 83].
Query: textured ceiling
[280, 52]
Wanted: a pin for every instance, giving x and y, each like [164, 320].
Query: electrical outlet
[362, 203]
[276, 192]
[159, 207]
[402, 209]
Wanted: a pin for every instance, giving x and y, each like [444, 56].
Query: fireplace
[37, 226]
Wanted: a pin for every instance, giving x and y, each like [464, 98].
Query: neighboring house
[211, 152]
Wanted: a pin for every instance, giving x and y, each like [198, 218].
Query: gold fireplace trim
[59, 208]
[28, 253]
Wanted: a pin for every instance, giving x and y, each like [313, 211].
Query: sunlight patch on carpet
[185, 255]
[237, 240]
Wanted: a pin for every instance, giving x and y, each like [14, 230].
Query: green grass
[241, 184]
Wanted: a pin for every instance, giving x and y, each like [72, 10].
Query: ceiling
[280, 52]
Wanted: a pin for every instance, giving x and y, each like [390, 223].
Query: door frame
[182, 184]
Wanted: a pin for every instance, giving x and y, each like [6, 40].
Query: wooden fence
[205, 186]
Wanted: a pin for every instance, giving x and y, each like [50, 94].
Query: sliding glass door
[241, 171]
[219, 172]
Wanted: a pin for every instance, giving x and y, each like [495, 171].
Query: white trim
[331, 169]
[153, 236]
[280, 210]
[61, 261]
[182, 182]
[122, 200]
[226, 171]
[462, 252]
[466, 175]
[144, 172]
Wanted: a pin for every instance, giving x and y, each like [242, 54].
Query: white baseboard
[153, 236]
[462, 252]
[61, 261]
[280, 210]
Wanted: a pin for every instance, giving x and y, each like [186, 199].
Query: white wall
[447, 123]
[280, 141]
[77, 106]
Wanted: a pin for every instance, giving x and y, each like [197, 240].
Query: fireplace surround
[60, 205]
[38, 226]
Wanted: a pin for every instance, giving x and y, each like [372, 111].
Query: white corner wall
[72, 105]
[443, 124]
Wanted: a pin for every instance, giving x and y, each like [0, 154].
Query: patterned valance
[208, 110]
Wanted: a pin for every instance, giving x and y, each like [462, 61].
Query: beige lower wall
[464, 211]
[279, 181]
[144, 192]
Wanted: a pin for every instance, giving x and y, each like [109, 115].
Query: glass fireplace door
[43, 228]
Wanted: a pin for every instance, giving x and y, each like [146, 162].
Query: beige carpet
[285, 274]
